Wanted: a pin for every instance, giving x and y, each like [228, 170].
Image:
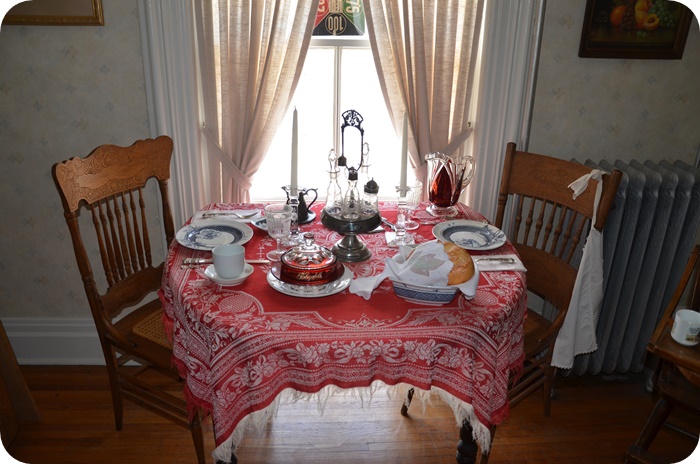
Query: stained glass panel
[339, 17]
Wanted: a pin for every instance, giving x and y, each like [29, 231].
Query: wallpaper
[612, 108]
[65, 90]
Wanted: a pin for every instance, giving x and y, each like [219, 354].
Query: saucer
[211, 274]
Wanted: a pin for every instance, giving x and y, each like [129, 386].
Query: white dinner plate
[208, 233]
[311, 291]
[211, 274]
[470, 235]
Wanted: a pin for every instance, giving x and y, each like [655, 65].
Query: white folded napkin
[488, 263]
[428, 265]
[226, 214]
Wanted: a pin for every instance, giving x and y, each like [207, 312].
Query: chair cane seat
[151, 328]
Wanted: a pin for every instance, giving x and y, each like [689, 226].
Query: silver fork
[229, 213]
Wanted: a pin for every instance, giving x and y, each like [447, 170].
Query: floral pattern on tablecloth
[238, 347]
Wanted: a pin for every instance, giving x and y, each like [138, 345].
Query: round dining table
[239, 349]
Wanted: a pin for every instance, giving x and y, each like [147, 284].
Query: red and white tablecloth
[238, 348]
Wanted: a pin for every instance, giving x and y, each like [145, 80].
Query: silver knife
[376, 230]
[210, 214]
[195, 261]
[497, 260]
[390, 224]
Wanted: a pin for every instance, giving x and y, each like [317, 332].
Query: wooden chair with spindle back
[679, 380]
[110, 184]
[548, 228]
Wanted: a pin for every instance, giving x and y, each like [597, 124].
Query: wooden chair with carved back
[111, 185]
[548, 227]
[679, 379]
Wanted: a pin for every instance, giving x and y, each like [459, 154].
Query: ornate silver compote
[350, 248]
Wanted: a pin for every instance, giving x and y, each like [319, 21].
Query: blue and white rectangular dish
[422, 294]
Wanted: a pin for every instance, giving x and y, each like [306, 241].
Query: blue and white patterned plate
[470, 235]
[260, 223]
[208, 233]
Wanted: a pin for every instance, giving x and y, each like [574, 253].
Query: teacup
[686, 327]
[229, 260]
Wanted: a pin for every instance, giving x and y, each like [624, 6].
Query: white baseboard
[54, 341]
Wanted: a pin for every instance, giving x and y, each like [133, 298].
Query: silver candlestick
[293, 201]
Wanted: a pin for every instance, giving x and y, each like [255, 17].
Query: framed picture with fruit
[634, 29]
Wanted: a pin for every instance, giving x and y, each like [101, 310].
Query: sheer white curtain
[167, 41]
[251, 54]
[425, 53]
[505, 95]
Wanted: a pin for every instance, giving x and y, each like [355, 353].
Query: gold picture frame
[604, 33]
[56, 13]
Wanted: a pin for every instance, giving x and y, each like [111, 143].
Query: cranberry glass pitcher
[447, 179]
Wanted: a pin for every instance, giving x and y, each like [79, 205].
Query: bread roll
[462, 264]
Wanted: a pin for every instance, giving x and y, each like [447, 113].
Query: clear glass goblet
[412, 201]
[278, 218]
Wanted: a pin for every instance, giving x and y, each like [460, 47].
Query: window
[511, 48]
[339, 75]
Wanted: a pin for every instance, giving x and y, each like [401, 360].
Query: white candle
[404, 155]
[295, 143]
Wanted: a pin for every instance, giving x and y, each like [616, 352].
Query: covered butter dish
[309, 264]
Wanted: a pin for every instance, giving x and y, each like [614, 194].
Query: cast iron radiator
[647, 239]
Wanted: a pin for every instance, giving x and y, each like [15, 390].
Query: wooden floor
[593, 420]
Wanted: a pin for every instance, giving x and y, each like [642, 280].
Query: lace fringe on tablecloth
[259, 419]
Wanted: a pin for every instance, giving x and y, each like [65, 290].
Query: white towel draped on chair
[577, 334]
